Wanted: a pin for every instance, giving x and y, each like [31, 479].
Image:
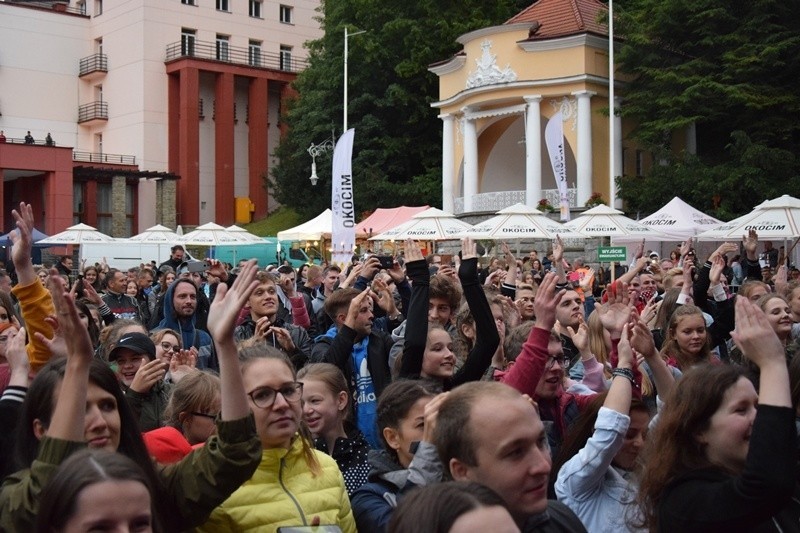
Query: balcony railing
[93, 63]
[93, 111]
[495, 201]
[94, 157]
[236, 55]
[60, 6]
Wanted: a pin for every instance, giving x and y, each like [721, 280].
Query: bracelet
[626, 373]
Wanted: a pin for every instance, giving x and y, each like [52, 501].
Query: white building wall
[40, 89]
[39, 73]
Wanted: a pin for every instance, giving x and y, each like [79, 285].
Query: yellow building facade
[497, 95]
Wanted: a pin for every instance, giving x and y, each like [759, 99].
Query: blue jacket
[190, 335]
[374, 503]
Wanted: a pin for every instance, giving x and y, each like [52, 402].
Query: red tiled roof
[559, 18]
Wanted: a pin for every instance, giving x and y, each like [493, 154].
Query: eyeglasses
[205, 415]
[264, 397]
[563, 362]
[167, 347]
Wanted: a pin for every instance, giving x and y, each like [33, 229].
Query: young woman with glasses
[294, 485]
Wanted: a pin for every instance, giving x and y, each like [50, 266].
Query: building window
[189, 2]
[223, 5]
[77, 202]
[223, 48]
[81, 5]
[187, 41]
[98, 143]
[286, 14]
[98, 7]
[639, 163]
[255, 8]
[254, 53]
[286, 57]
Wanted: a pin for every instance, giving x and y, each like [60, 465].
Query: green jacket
[149, 408]
[196, 485]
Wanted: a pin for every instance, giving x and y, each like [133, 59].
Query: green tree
[731, 68]
[397, 150]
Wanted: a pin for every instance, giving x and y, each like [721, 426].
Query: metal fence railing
[92, 111]
[233, 54]
[93, 63]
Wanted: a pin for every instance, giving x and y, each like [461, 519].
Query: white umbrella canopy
[157, 234]
[212, 234]
[246, 235]
[520, 221]
[77, 234]
[429, 225]
[773, 220]
[604, 221]
[677, 220]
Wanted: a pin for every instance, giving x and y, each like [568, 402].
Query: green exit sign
[607, 254]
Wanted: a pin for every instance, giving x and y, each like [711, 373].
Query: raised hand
[642, 339]
[352, 276]
[547, 300]
[754, 335]
[614, 314]
[229, 301]
[17, 357]
[580, 338]
[750, 243]
[625, 350]
[469, 248]
[687, 246]
[149, 373]
[558, 250]
[781, 279]
[412, 251]
[355, 307]
[717, 266]
[383, 296]
[431, 412]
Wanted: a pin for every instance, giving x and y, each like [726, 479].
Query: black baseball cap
[137, 342]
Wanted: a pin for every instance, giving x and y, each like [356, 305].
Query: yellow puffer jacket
[283, 492]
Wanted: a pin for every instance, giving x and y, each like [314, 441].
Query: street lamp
[315, 150]
[346, 36]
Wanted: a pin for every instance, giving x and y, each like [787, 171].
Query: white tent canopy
[157, 234]
[775, 219]
[313, 230]
[77, 234]
[429, 225]
[604, 221]
[520, 221]
[677, 220]
[211, 234]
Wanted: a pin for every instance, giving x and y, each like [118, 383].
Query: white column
[533, 151]
[584, 145]
[691, 138]
[448, 161]
[470, 161]
[615, 200]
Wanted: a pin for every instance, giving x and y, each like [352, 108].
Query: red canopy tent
[386, 219]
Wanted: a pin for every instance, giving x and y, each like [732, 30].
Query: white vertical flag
[343, 229]
[554, 138]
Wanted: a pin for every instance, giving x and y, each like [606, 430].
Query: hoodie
[190, 335]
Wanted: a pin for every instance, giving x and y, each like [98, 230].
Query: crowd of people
[534, 394]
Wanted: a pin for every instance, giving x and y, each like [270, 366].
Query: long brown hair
[671, 347]
[672, 449]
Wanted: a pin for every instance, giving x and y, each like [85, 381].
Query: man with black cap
[142, 378]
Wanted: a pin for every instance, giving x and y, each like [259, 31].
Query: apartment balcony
[93, 113]
[93, 67]
[97, 157]
[236, 55]
[491, 202]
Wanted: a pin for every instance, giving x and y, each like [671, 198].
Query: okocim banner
[554, 139]
[343, 227]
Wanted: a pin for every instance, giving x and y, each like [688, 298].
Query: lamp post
[329, 144]
[315, 150]
[346, 35]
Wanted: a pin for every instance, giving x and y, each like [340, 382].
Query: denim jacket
[597, 492]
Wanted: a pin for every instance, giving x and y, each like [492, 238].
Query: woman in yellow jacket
[294, 485]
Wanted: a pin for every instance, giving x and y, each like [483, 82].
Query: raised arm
[221, 323]
[486, 336]
[36, 304]
[417, 316]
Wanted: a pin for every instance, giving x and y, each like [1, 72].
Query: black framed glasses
[169, 347]
[562, 361]
[264, 397]
[205, 415]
